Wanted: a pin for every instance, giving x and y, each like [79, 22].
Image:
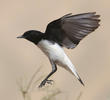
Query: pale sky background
[19, 58]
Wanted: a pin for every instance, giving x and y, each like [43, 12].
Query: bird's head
[32, 35]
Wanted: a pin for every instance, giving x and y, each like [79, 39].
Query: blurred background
[19, 58]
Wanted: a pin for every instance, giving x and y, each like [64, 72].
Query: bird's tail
[80, 80]
[71, 68]
[67, 64]
[74, 72]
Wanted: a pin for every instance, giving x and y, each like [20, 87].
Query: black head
[32, 35]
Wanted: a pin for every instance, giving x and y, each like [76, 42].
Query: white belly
[57, 54]
[52, 50]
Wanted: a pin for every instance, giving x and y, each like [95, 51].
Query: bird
[66, 31]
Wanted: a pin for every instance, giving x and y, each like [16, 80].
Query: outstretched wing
[70, 29]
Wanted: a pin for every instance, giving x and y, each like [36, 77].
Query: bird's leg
[54, 69]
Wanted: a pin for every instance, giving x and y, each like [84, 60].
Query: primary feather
[70, 29]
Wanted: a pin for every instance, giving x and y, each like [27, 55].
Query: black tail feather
[81, 81]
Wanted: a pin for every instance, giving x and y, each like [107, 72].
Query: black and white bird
[66, 31]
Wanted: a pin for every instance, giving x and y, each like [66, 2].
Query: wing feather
[70, 29]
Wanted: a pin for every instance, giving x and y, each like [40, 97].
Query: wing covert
[70, 29]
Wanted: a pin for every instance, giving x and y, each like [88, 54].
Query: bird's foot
[44, 82]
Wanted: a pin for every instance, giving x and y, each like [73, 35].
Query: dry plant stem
[29, 87]
[27, 96]
[79, 96]
[31, 80]
[52, 95]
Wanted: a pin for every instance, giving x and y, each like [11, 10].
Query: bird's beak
[20, 36]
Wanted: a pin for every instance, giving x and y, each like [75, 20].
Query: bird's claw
[44, 82]
[49, 81]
